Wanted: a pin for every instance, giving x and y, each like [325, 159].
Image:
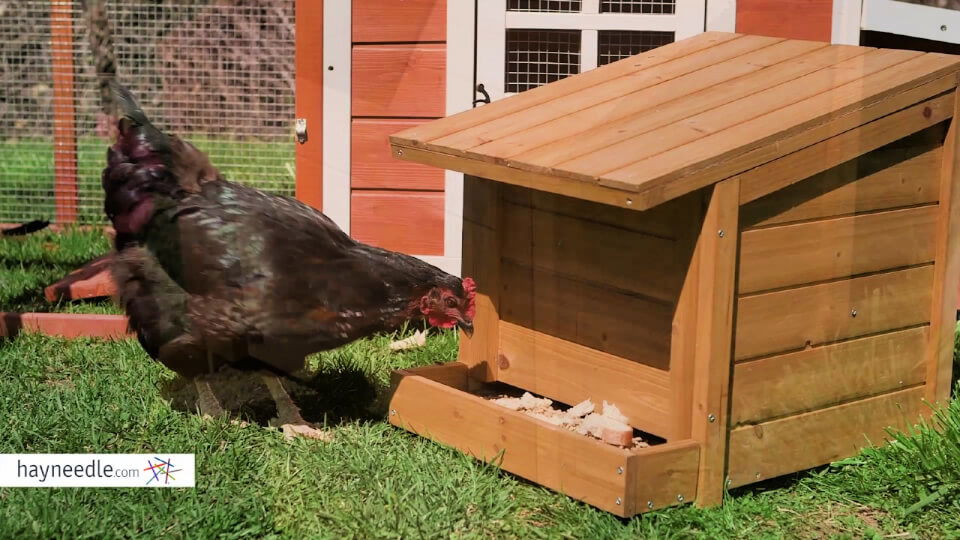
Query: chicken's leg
[291, 422]
[206, 399]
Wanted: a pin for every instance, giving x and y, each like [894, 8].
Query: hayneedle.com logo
[96, 470]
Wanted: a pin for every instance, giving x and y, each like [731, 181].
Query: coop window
[538, 57]
[547, 6]
[613, 45]
[653, 7]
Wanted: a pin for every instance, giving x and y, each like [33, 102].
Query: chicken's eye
[450, 301]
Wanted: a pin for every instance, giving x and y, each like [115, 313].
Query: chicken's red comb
[470, 288]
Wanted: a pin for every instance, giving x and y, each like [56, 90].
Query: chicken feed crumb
[610, 426]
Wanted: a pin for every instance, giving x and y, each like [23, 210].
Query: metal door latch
[300, 126]
[485, 98]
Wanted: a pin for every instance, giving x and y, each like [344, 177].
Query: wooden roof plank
[535, 115]
[596, 120]
[675, 110]
[629, 161]
[458, 122]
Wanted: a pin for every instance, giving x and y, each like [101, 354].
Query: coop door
[522, 44]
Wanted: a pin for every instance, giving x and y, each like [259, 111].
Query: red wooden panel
[64, 112]
[392, 20]
[399, 80]
[407, 221]
[374, 167]
[796, 19]
[309, 101]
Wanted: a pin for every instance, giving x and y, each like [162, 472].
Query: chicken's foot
[291, 422]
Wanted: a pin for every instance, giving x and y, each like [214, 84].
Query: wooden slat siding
[406, 221]
[760, 51]
[456, 375]
[660, 221]
[824, 376]
[676, 105]
[628, 66]
[399, 80]
[64, 113]
[481, 261]
[834, 151]
[659, 474]
[939, 355]
[67, 325]
[308, 61]
[716, 297]
[571, 373]
[593, 252]
[791, 255]
[790, 320]
[795, 19]
[723, 126]
[381, 21]
[882, 179]
[372, 165]
[610, 321]
[552, 456]
[810, 439]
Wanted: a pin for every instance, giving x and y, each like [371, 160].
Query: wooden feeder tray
[740, 241]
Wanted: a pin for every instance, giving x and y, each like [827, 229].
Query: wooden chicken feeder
[748, 244]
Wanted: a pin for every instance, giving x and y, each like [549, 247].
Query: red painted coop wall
[794, 19]
[399, 57]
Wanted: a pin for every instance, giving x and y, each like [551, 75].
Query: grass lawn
[373, 481]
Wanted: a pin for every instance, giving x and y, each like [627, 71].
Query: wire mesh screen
[653, 7]
[550, 6]
[613, 45]
[538, 57]
[217, 72]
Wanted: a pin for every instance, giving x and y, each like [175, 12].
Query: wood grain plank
[658, 474]
[481, 261]
[398, 80]
[716, 286]
[417, 136]
[406, 221]
[570, 373]
[671, 80]
[593, 252]
[372, 165]
[579, 466]
[884, 178]
[791, 255]
[659, 106]
[628, 326]
[825, 376]
[383, 21]
[794, 19]
[834, 151]
[308, 73]
[943, 316]
[807, 440]
[797, 318]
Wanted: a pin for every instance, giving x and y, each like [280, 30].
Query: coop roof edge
[859, 85]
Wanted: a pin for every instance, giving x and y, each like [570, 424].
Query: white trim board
[845, 24]
[721, 16]
[913, 20]
[337, 44]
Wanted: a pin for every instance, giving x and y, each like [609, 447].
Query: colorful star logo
[162, 470]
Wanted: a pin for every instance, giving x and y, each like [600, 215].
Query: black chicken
[214, 274]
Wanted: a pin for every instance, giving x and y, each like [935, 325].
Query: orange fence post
[309, 100]
[64, 112]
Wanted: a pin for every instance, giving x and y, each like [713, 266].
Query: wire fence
[220, 73]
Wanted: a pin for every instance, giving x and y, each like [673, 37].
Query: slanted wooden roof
[655, 126]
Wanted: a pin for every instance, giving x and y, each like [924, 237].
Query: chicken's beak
[467, 327]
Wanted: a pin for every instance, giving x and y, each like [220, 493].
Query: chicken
[215, 274]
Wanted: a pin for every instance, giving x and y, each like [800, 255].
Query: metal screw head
[393, 412]
[629, 202]
[720, 233]
[679, 498]
[711, 418]
[853, 312]
[650, 505]
[943, 28]
[399, 152]
[619, 470]
[757, 476]
[619, 501]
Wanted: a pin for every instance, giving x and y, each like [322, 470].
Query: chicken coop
[740, 241]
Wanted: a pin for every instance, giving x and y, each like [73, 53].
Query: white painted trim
[721, 16]
[608, 21]
[588, 49]
[491, 45]
[460, 96]
[914, 20]
[336, 110]
[689, 19]
[590, 6]
[845, 28]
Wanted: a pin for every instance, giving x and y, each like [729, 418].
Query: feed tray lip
[69, 325]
